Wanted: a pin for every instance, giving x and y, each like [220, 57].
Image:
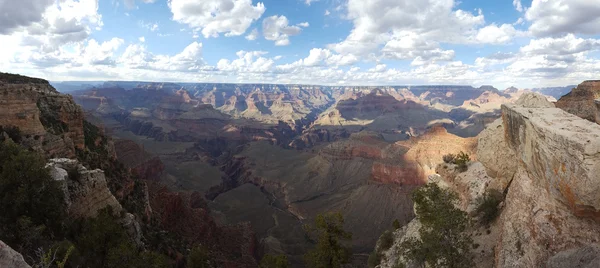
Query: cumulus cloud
[247, 61]
[408, 45]
[555, 17]
[518, 5]
[21, 13]
[136, 56]
[308, 2]
[492, 34]
[213, 17]
[277, 28]
[253, 35]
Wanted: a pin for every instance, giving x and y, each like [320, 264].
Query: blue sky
[525, 43]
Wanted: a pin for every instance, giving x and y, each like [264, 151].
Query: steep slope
[583, 101]
[548, 218]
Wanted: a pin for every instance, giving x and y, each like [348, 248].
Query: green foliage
[449, 158]
[374, 259]
[199, 257]
[487, 207]
[272, 261]
[443, 239]
[14, 133]
[396, 224]
[330, 251]
[20, 79]
[462, 160]
[32, 203]
[91, 135]
[386, 240]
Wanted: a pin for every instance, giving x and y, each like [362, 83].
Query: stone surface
[495, 154]
[585, 257]
[9, 258]
[86, 192]
[560, 149]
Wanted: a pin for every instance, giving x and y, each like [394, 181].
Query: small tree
[396, 224]
[386, 240]
[272, 261]
[374, 259]
[487, 207]
[449, 158]
[443, 241]
[199, 257]
[462, 160]
[330, 251]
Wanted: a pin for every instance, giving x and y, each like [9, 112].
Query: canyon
[275, 156]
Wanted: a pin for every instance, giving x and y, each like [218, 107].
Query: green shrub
[272, 261]
[386, 240]
[199, 257]
[14, 133]
[462, 160]
[487, 207]
[396, 224]
[374, 259]
[330, 251]
[31, 202]
[449, 158]
[443, 241]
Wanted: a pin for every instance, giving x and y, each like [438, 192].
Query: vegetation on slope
[331, 250]
[443, 240]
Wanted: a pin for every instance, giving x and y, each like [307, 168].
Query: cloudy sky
[331, 42]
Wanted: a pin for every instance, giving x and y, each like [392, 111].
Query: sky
[522, 43]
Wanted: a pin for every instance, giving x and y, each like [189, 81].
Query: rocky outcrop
[560, 149]
[549, 217]
[53, 120]
[583, 101]
[86, 191]
[10, 258]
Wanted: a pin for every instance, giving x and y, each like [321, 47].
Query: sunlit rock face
[583, 101]
[546, 162]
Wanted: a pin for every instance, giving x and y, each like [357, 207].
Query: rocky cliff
[583, 101]
[10, 258]
[51, 122]
[549, 217]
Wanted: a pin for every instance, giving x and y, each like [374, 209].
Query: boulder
[10, 258]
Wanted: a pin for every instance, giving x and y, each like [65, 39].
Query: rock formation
[549, 216]
[86, 191]
[583, 101]
[10, 258]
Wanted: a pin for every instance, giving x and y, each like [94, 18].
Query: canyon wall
[546, 162]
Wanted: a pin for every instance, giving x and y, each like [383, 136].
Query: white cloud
[148, 25]
[327, 13]
[214, 17]
[190, 59]
[555, 17]
[492, 34]
[308, 2]
[247, 62]
[21, 13]
[518, 5]
[142, 39]
[276, 28]
[303, 24]
[253, 35]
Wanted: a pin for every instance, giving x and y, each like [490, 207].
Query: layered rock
[549, 215]
[86, 191]
[141, 163]
[583, 101]
[38, 110]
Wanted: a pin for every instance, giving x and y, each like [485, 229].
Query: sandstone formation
[86, 191]
[583, 101]
[11, 258]
[52, 121]
[549, 215]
